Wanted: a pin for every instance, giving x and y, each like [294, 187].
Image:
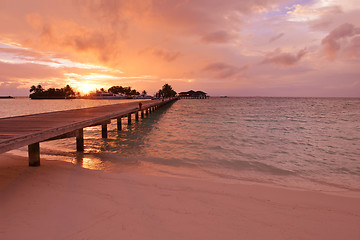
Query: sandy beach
[62, 201]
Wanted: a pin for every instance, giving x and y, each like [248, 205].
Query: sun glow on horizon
[86, 88]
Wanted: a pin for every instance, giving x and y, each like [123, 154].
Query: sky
[290, 48]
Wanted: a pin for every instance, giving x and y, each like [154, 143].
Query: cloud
[285, 59]
[332, 43]
[353, 49]
[218, 37]
[162, 53]
[9, 88]
[223, 70]
[202, 40]
[166, 55]
[21, 53]
[276, 37]
[28, 71]
[16, 79]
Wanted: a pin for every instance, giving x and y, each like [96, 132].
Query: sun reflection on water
[88, 163]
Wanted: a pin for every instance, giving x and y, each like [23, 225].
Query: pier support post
[80, 140]
[137, 116]
[119, 127]
[142, 113]
[150, 110]
[34, 154]
[104, 130]
[147, 111]
[129, 119]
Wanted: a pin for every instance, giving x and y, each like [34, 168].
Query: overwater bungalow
[193, 95]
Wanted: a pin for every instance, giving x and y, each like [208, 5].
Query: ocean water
[306, 143]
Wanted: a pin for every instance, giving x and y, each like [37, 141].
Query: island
[39, 92]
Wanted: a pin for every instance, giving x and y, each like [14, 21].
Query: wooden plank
[25, 130]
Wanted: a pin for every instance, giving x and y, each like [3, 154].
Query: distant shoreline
[213, 96]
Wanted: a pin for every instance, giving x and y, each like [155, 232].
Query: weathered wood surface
[25, 130]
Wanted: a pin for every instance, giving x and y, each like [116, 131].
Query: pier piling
[34, 154]
[104, 130]
[65, 124]
[119, 127]
[80, 140]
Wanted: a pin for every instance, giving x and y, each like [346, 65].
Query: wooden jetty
[16, 132]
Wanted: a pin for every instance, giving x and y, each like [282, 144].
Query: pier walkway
[16, 132]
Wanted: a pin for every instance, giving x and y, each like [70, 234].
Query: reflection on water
[87, 162]
[287, 141]
[122, 149]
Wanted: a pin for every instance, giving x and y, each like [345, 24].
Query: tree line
[39, 92]
[67, 92]
[166, 91]
[123, 90]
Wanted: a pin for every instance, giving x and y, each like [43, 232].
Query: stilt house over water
[192, 94]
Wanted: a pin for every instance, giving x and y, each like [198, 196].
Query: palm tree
[167, 91]
[68, 91]
[144, 93]
[37, 89]
[33, 88]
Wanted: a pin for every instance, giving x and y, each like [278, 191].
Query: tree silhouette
[33, 88]
[116, 89]
[56, 93]
[37, 89]
[167, 91]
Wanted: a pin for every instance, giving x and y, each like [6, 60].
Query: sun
[86, 88]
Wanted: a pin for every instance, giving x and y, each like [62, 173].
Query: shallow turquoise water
[311, 143]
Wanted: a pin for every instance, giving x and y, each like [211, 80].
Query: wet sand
[61, 201]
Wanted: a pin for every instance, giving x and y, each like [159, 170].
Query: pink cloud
[332, 43]
[218, 37]
[16, 79]
[224, 70]
[273, 39]
[353, 49]
[28, 71]
[8, 88]
[285, 59]
[187, 42]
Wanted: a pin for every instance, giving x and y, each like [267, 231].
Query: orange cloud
[190, 43]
